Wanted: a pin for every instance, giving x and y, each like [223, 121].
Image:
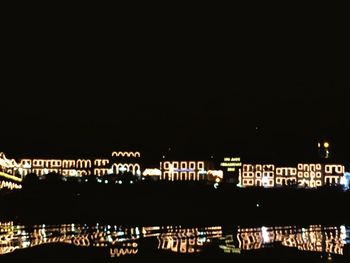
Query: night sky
[80, 91]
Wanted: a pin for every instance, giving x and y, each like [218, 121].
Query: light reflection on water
[121, 241]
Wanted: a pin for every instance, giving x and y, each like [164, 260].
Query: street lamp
[324, 149]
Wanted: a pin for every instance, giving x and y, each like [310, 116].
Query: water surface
[317, 243]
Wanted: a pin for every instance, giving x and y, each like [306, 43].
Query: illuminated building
[10, 173]
[9, 169]
[126, 162]
[118, 162]
[309, 175]
[184, 170]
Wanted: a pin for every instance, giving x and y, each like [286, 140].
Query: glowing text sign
[231, 163]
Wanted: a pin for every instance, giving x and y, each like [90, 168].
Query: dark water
[228, 243]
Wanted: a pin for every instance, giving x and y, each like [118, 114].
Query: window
[200, 165]
[176, 165]
[192, 165]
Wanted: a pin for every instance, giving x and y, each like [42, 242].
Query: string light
[9, 185]
[183, 171]
[66, 167]
[310, 175]
[125, 154]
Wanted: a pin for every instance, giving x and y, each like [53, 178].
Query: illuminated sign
[231, 164]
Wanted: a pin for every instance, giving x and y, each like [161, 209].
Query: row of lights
[106, 181]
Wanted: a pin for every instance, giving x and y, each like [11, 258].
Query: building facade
[10, 173]
[189, 171]
[309, 175]
[118, 162]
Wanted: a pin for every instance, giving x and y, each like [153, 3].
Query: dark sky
[77, 89]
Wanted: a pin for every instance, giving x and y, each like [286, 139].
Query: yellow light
[12, 177]
[326, 145]
[152, 172]
[216, 173]
[9, 185]
[126, 154]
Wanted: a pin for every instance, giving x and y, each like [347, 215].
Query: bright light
[106, 182]
[122, 169]
[345, 180]
[265, 180]
[257, 205]
[265, 234]
[216, 185]
[216, 173]
[27, 166]
[343, 233]
[326, 144]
